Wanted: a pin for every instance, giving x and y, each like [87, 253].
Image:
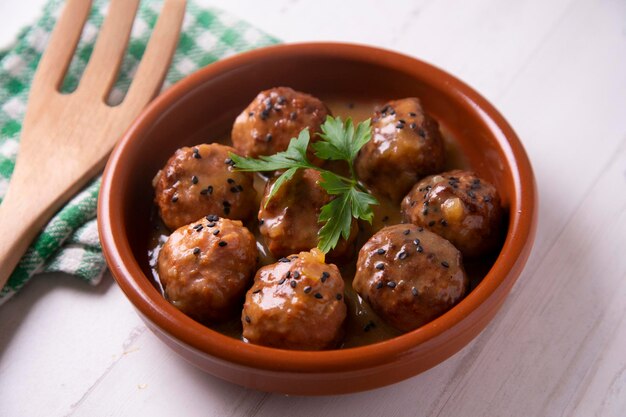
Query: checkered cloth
[69, 242]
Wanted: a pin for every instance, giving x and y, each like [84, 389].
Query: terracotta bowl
[204, 106]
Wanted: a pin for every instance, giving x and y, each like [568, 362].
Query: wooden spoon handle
[21, 219]
[31, 200]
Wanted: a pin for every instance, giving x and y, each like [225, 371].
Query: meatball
[206, 267]
[458, 206]
[296, 303]
[275, 116]
[289, 220]
[406, 145]
[409, 275]
[199, 181]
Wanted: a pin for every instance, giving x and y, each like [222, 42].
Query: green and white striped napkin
[69, 243]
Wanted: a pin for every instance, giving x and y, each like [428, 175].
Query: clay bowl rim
[156, 309]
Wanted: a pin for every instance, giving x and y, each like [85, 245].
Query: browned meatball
[206, 267]
[275, 116]
[406, 145]
[409, 275]
[296, 303]
[458, 206]
[199, 181]
[289, 221]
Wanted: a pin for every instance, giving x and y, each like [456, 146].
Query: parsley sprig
[339, 141]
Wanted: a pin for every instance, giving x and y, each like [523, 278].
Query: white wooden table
[557, 70]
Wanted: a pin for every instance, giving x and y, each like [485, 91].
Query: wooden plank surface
[557, 72]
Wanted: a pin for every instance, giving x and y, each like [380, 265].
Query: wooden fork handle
[29, 204]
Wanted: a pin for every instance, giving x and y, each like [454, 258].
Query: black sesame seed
[445, 264]
[406, 232]
[194, 179]
[384, 109]
[325, 276]
[240, 187]
[222, 243]
[307, 289]
[339, 296]
[402, 255]
[380, 266]
[196, 251]
[421, 132]
[293, 115]
[471, 194]
[282, 281]
[381, 251]
[230, 181]
[281, 100]
[248, 319]
[391, 284]
[412, 125]
[216, 232]
[265, 114]
[196, 153]
[401, 121]
[318, 296]
[251, 114]
[288, 274]
[174, 199]
[284, 260]
[268, 137]
[198, 227]
[369, 326]
[400, 126]
[443, 222]
[256, 291]
[420, 229]
[228, 161]
[416, 242]
[296, 274]
[487, 199]
[379, 285]
[420, 249]
[412, 114]
[212, 218]
[425, 212]
[261, 222]
[431, 223]
[234, 190]
[293, 284]
[392, 111]
[414, 291]
[226, 203]
[211, 224]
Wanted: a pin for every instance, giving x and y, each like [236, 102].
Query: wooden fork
[66, 138]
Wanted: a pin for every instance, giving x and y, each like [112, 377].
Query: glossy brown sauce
[362, 326]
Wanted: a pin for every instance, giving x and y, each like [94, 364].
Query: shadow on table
[16, 310]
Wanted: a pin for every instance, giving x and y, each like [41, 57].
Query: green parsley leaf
[293, 157]
[337, 219]
[340, 141]
[284, 177]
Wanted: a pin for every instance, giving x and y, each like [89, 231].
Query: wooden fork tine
[157, 57]
[104, 63]
[60, 49]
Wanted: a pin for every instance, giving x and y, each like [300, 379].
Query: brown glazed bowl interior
[203, 106]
